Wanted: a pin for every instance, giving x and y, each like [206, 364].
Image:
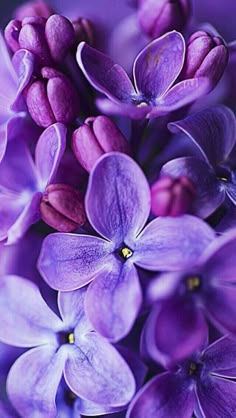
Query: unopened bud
[33, 8]
[172, 196]
[157, 17]
[62, 208]
[206, 56]
[96, 137]
[83, 31]
[11, 34]
[52, 99]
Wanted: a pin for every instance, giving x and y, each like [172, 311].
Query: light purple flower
[186, 300]
[155, 72]
[23, 181]
[93, 369]
[201, 385]
[118, 205]
[214, 133]
[14, 76]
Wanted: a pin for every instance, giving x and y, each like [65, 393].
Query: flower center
[193, 283]
[193, 368]
[66, 337]
[126, 253]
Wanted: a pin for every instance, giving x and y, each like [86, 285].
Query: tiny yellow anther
[192, 368]
[126, 252]
[193, 283]
[71, 338]
[142, 104]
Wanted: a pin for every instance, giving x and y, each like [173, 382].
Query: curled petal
[118, 198]
[96, 371]
[23, 62]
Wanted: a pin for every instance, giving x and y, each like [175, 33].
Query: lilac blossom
[186, 300]
[15, 75]
[201, 385]
[156, 70]
[117, 205]
[23, 181]
[212, 170]
[92, 368]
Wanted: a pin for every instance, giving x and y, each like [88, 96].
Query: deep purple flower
[92, 368]
[201, 385]
[155, 71]
[117, 205]
[23, 182]
[14, 77]
[186, 300]
[212, 171]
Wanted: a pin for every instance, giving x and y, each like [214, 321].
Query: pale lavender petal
[181, 94]
[104, 301]
[220, 357]
[71, 307]
[29, 216]
[10, 208]
[49, 151]
[96, 371]
[3, 140]
[179, 328]
[88, 408]
[172, 243]
[106, 76]
[8, 76]
[167, 395]
[118, 198]
[209, 194]
[111, 108]
[23, 62]
[26, 319]
[217, 397]
[159, 64]
[220, 305]
[212, 130]
[69, 261]
[33, 380]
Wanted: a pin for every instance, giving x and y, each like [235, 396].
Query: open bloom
[15, 75]
[92, 368]
[155, 71]
[23, 181]
[212, 170]
[118, 205]
[185, 301]
[201, 385]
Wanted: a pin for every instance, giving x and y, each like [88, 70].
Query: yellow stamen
[71, 338]
[193, 283]
[223, 179]
[192, 368]
[126, 252]
[142, 104]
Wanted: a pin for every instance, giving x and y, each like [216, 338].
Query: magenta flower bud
[172, 196]
[206, 56]
[96, 137]
[52, 99]
[60, 36]
[157, 17]
[83, 31]
[11, 34]
[62, 208]
[33, 8]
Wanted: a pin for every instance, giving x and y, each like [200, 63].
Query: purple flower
[14, 78]
[117, 205]
[186, 300]
[201, 385]
[212, 171]
[23, 182]
[93, 369]
[155, 71]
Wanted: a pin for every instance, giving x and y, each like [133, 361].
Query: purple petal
[106, 76]
[29, 216]
[10, 208]
[217, 397]
[220, 304]
[167, 395]
[172, 243]
[33, 380]
[104, 301]
[49, 151]
[23, 62]
[8, 79]
[181, 94]
[134, 112]
[186, 325]
[95, 371]
[26, 320]
[212, 130]
[118, 198]
[69, 261]
[209, 194]
[158, 65]
[71, 306]
[220, 357]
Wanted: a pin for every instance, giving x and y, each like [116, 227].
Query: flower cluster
[117, 211]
